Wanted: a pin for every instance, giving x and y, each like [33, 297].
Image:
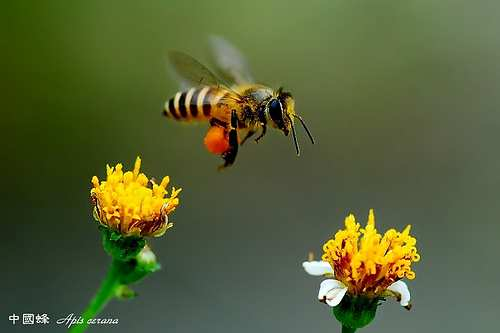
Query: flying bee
[240, 107]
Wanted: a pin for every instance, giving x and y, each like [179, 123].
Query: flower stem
[346, 329]
[102, 297]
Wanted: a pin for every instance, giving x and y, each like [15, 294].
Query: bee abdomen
[194, 104]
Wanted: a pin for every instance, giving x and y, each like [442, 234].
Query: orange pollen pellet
[216, 140]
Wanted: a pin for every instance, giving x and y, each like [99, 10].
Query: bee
[233, 105]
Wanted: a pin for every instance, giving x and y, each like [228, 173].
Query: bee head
[281, 111]
[279, 107]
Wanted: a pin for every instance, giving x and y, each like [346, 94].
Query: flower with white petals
[361, 263]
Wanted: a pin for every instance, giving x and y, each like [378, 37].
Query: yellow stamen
[126, 204]
[367, 262]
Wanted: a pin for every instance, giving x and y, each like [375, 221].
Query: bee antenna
[305, 127]
[297, 148]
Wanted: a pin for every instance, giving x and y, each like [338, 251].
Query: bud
[125, 292]
[146, 260]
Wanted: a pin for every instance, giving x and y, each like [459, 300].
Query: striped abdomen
[194, 104]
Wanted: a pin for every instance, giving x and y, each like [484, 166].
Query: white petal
[327, 285]
[331, 291]
[334, 296]
[317, 268]
[401, 288]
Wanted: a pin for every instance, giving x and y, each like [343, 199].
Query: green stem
[105, 293]
[346, 329]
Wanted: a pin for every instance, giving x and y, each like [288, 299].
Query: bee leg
[250, 133]
[264, 129]
[229, 156]
[217, 122]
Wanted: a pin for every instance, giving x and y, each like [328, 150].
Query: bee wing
[230, 61]
[190, 72]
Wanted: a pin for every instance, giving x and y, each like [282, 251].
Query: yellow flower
[131, 204]
[363, 262]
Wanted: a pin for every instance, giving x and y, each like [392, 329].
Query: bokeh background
[402, 97]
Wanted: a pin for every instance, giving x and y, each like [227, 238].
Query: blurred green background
[402, 97]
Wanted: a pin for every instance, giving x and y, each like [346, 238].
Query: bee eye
[275, 111]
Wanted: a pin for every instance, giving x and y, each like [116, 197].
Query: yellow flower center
[132, 204]
[367, 262]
